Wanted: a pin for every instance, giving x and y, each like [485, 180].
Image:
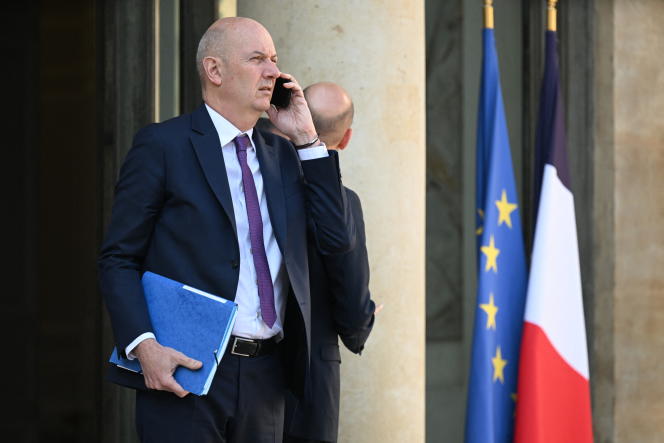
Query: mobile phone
[280, 95]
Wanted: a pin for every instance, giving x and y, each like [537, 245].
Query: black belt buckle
[241, 341]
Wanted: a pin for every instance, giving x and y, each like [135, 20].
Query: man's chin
[262, 105]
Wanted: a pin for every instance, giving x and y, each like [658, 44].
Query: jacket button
[235, 264]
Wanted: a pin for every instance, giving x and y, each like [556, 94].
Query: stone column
[376, 51]
[629, 159]
[639, 209]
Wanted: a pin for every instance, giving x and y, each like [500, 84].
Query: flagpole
[552, 25]
[488, 14]
[501, 263]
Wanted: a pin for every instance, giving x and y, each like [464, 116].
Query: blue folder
[191, 321]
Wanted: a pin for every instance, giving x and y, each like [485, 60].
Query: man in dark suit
[208, 201]
[340, 301]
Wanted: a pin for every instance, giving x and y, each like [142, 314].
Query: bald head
[222, 36]
[332, 111]
[237, 63]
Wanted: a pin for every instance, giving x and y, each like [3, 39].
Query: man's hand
[295, 121]
[158, 364]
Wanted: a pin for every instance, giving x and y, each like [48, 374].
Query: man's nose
[272, 71]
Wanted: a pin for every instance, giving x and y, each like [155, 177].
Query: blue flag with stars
[501, 269]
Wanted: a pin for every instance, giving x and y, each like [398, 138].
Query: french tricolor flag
[553, 394]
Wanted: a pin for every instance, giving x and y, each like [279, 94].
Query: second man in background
[340, 304]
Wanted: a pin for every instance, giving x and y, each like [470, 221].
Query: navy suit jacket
[173, 215]
[341, 306]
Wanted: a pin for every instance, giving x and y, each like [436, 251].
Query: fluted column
[376, 51]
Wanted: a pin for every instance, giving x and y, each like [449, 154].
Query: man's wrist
[315, 140]
[143, 345]
[129, 350]
[304, 138]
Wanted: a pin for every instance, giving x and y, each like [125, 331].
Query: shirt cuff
[313, 153]
[137, 342]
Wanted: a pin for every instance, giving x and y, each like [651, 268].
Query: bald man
[332, 111]
[208, 201]
[339, 307]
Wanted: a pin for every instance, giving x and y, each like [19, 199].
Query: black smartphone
[280, 95]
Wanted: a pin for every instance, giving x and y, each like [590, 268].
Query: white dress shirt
[249, 322]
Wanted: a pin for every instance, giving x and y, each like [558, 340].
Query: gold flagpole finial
[488, 14]
[551, 16]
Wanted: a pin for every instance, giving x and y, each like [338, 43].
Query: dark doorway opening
[51, 314]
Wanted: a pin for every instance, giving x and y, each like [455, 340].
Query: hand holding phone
[290, 113]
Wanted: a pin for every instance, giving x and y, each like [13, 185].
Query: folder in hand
[191, 321]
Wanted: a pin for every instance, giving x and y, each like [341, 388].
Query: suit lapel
[268, 159]
[205, 141]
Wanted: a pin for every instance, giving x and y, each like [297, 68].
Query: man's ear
[212, 68]
[345, 139]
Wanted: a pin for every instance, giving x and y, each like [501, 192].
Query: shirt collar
[225, 129]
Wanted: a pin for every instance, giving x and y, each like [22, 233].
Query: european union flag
[501, 269]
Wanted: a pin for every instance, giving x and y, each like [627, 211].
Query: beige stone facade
[629, 347]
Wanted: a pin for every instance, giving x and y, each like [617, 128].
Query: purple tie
[264, 279]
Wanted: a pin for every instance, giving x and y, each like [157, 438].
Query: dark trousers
[245, 404]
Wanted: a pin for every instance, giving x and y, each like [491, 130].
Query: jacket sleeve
[139, 196]
[348, 277]
[327, 205]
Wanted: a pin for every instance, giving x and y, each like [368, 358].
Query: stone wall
[639, 220]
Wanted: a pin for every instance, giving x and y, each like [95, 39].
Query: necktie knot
[241, 142]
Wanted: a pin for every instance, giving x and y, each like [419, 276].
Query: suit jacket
[173, 215]
[340, 307]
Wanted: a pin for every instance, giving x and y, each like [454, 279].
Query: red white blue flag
[553, 397]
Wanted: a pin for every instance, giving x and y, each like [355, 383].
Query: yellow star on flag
[491, 255]
[491, 311]
[505, 210]
[498, 366]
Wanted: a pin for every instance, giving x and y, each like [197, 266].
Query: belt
[251, 347]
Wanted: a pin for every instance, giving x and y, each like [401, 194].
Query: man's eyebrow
[262, 54]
